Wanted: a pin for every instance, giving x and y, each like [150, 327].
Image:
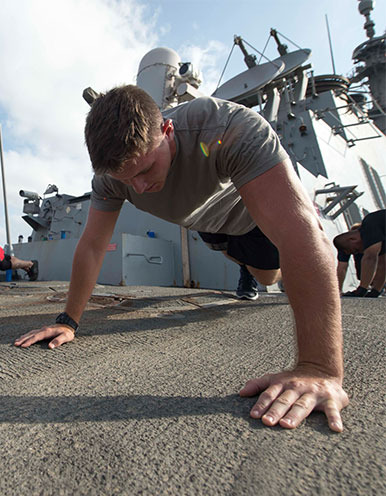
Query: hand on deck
[60, 333]
[289, 397]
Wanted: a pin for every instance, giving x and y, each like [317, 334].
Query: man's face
[148, 173]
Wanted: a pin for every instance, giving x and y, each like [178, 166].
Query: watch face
[61, 319]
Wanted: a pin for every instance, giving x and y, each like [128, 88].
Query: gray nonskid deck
[145, 400]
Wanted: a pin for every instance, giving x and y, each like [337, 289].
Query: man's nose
[139, 185]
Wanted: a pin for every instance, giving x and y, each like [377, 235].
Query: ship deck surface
[145, 400]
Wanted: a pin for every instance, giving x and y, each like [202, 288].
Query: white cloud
[51, 51]
[207, 61]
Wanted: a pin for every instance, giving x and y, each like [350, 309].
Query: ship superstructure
[333, 128]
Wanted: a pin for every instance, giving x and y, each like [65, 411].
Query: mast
[330, 43]
[370, 57]
[5, 196]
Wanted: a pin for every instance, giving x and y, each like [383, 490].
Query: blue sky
[52, 49]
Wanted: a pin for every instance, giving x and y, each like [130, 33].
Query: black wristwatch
[64, 318]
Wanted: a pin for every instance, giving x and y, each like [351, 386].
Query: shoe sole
[36, 272]
[244, 297]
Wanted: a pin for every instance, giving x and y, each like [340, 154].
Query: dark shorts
[252, 248]
[6, 264]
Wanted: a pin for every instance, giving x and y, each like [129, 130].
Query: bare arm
[341, 272]
[87, 262]
[277, 202]
[369, 264]
[380, 276]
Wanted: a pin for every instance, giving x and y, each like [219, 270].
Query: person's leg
[16, 263]
[254, 253]
[258, 254]
[6, 263]
[265, 277]
[247, 286]
[30, 266]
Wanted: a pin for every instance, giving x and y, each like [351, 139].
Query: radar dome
[156, 74]
[161, 55]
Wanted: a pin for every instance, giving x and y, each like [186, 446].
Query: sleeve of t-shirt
[250, 147]
[106, 194]
[343, 257]
[371, 231]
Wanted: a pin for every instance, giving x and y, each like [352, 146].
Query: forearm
[311, 284]
[368, 269]
[85, 269]
[307, 264]
[283, 211]
[341, 274]
[380, 276]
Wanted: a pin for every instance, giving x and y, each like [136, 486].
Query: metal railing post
[5, 197]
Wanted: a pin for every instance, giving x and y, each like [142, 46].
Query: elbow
[87, 247]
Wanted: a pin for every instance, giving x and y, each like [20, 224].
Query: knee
[265, 277]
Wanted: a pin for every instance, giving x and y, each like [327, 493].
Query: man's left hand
[289, 397]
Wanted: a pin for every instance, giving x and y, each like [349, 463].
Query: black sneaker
[247, 287]
[33, 272]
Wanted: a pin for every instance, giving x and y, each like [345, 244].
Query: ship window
[375, 183]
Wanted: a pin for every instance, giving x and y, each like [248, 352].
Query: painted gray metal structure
[327, 129]
[143, 248]
[370, 66]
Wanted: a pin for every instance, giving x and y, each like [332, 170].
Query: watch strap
[65, 319]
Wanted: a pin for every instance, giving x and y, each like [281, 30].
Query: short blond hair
[122, 124]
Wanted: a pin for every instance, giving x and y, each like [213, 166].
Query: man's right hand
[60, 333]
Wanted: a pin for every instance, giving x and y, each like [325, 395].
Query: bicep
[373, 250]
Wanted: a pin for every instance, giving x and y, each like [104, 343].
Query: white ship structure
[333, 128]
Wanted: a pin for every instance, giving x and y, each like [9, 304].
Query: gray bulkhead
[143, 249]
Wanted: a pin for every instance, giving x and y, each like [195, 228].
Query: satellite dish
[249, 81]
[292, 61]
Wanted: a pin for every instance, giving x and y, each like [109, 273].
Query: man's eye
[146, 171]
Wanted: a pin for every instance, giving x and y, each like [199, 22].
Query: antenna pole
[4, 195]
[249, 59]
[329, 41]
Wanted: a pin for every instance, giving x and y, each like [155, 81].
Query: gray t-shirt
[220, 146]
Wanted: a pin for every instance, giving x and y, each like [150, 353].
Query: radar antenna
[249, 59]
[282, 49]
[365, 7]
